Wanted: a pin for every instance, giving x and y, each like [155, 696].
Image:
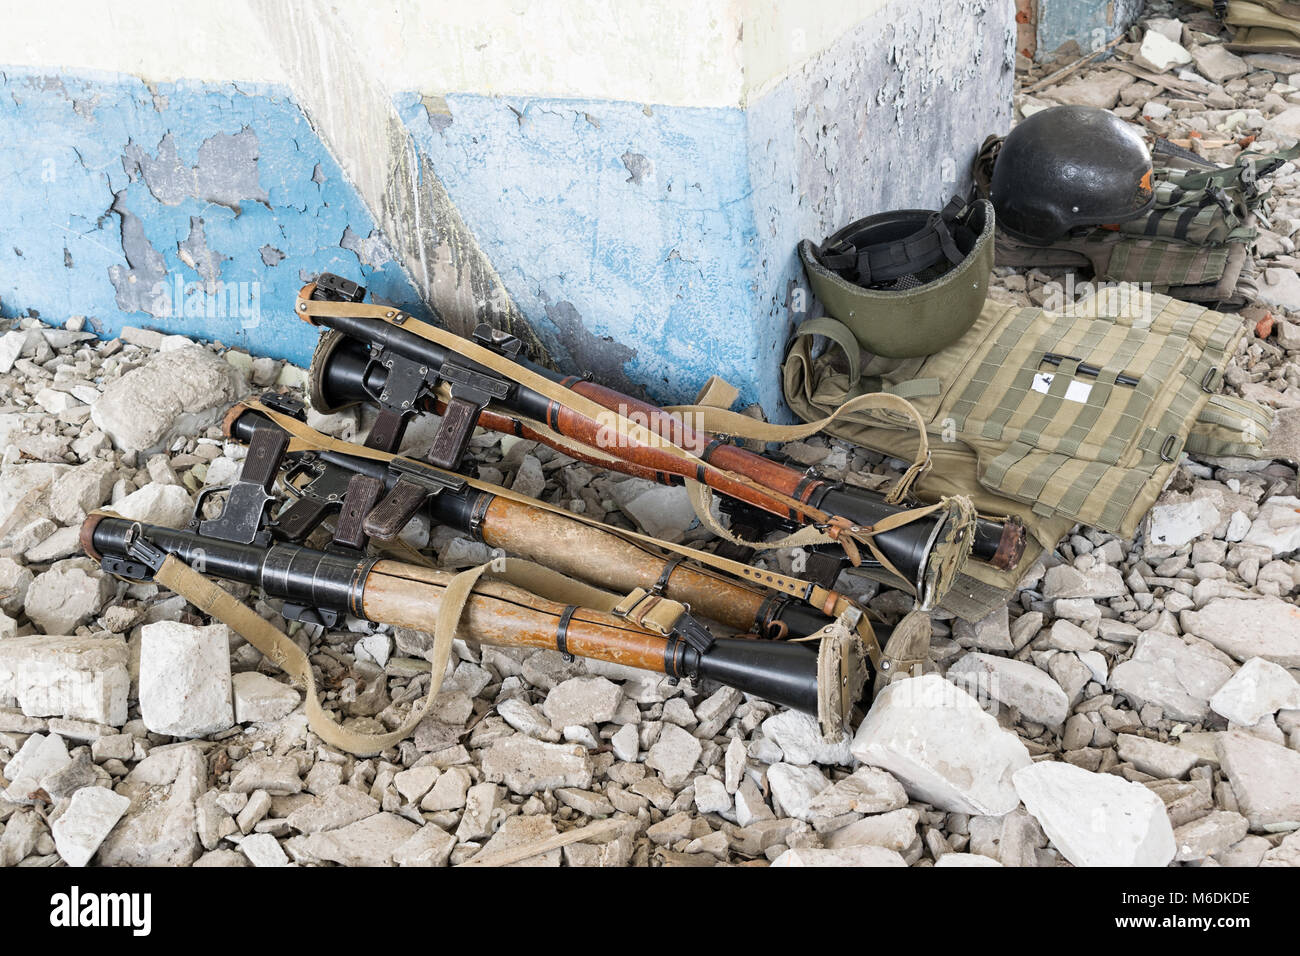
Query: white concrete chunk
[794, 788]
[90, 816]
[674, 755]
[77, 677]
[1153, 757]
[1014, 683]
[174, 393]
[168, 506]
[944, 749]
[185, 679]
[39, 756]
[69, 594]
[1097, 819]
[1166, 672]
[849, 856]
[582, 700]
[1266, 627]
[800, 739]
[1259, 688]
[261, 697]
[1265, 778]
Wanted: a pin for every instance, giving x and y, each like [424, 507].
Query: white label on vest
[1076, 391]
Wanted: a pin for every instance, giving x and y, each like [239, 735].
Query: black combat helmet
[1066, 167]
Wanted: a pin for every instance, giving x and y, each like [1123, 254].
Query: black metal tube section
[776, 671]
[907, 547]
[800, 620]
[290, 572]
[380, 334]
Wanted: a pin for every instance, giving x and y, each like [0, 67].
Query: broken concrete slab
[89, 817]
[260, 697]
[942, 746]
[159, 826]
[849, 856]
[1266, 627]
[1097, 819]
[77, 677]
[68, 595]
[1165, 671]
[800, 739]
[1013, 683]
[173, 393]
[674, 755]
[185, 679]
[1265, 778]
[526, 765]
[1258, 689]
[373, 841]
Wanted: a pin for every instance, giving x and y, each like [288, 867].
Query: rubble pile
[1137, 703]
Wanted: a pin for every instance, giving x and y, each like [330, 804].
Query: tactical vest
[1055, 419]
[1262, 26]
[1193, 244]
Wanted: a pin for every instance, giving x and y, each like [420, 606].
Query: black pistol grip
[390, 516]
[453, 436]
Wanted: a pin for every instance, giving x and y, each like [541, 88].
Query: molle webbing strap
[1015, 382]
[992, 362]
[831, 602]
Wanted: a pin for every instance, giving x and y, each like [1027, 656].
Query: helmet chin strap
[851, 253]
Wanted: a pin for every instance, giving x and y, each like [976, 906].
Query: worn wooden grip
[389, 517]
[358, 501]
[592, 555]
[449, 444]
[395, 595]
[265, 452]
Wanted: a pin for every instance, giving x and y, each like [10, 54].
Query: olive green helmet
[908, 282]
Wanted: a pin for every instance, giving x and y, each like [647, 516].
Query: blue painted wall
[1088, 23]
[182, 207]
[652, 246]
[631, 221]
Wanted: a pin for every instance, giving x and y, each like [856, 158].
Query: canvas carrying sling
[1020, 436]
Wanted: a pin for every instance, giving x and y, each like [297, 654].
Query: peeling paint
[435, 108]
[226, 172]
[177, 237]
[344, 99]
[1073, 27]
[371, 250]
[639, 166]
[194, 252]
[137, 283]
